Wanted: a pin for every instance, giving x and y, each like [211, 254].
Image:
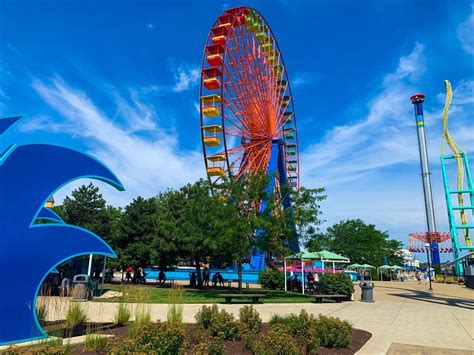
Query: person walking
[205, 275]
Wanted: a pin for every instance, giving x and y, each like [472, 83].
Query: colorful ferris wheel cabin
[211, 81]
[211, 138]
[219, 35]
[210, 106]
[216, 168]
[214, 55]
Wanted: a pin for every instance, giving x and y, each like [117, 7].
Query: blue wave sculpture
[29, 251]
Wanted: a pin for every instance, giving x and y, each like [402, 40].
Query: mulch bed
[358, 340]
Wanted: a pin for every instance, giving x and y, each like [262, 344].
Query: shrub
[175, 306]
[250, 319]
[277, 341]
[123, 314]
[302, 327]
[333, 332]
[153, 339]
[205, 315]
[195, 336]
[36, 349]
[223, 325]
[272, 279]
[75, 315]
[216, 346]
[95, 342]
[340, 284]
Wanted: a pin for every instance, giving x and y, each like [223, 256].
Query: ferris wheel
[248, 122]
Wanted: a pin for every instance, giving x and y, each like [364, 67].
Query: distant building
[409, 259]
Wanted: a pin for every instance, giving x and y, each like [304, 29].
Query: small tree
[362, 243]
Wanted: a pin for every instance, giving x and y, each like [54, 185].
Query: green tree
[241, 218]
[360, 242]
[291, 225]
[189, 224]
[87, 208]
[136, 232]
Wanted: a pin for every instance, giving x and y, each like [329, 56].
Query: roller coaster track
[458, 153]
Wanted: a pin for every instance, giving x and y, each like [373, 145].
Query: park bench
[337, 298]
[229, 296]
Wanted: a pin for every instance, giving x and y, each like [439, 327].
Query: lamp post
[428, 254]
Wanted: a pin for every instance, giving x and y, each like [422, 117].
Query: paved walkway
[403, 313]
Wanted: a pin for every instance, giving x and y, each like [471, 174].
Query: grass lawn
[154, 294]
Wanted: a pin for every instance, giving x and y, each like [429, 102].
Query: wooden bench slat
[338, 298]
[228, 297]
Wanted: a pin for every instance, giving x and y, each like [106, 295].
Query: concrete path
[403, 313]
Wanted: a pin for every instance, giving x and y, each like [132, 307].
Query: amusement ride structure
[460, 227]
[248, 122]
[457, 216]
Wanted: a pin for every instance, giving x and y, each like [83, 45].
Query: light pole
[428, 254]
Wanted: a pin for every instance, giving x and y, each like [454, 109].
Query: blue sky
[120, 80]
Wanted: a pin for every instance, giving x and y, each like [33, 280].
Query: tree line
[195, 224]
[199, 223]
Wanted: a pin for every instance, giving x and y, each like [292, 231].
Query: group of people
[135, 275]
[206, 277]
[311, 280]
[217, 278]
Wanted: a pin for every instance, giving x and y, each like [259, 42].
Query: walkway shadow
[430, 298]
[412, 290]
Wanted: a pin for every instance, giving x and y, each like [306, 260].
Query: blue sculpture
[26, 183]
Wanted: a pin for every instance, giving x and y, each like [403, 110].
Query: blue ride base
[276, 170]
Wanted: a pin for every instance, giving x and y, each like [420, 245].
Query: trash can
[82, 289]
[367, 291]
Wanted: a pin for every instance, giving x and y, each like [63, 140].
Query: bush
[303, 328]
[223, 325]
[75, 315]
[153, 339]
[248, 339]
[250, 319]
[36, 349]
[123, 314]
[194, 336]
[277, 341]
[272, 279]
[333, 332]
[336, 284]
[216, 346]
[205, 315]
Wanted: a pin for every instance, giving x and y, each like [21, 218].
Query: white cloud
[371, 166]
[466, 33]
[305, 78]
[410, 66]
[145, 166]
[185, 78]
